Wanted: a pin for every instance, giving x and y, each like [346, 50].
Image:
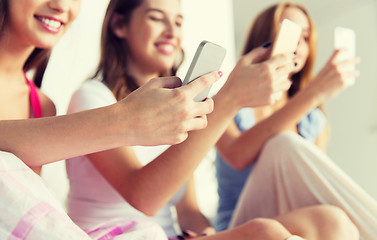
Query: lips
[50, 24]
[165, 47]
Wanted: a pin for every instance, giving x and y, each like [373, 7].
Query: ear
[118, 25]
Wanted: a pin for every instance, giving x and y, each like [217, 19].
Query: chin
[166, 65]
[46, 45]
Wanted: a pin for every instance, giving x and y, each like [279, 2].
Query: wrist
[311, 94]
[118, 124]
[227, 99]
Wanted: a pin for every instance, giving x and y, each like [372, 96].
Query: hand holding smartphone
[208, 58]
[286, 41]
[345, 38]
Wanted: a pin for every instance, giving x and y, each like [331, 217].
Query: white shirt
[92, 201]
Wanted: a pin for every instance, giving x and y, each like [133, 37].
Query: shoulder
[311, 125]
[47, 105]
[91, 94]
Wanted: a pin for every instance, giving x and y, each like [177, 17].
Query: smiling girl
[29, 30]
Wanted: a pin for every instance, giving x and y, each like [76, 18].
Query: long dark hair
[113, 66]
[38, 59]
[3, 14]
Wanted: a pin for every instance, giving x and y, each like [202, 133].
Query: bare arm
[48, 110]
[322, 139]
[157, 113]
[189, 215]
[242, 149]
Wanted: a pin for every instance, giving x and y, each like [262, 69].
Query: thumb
[165, 82]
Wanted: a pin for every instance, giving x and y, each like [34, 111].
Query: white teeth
[51, 23]
[167, 47]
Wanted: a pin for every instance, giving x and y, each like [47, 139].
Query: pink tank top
[36, 110]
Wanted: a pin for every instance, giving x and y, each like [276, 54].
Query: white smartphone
[346, 38]
[208, 58]
[287, 38]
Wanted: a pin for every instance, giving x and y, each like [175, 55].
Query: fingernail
[180, 237]
[220, 73]
[266, 45]
[185, 234]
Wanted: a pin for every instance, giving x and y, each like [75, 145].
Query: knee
[281, 146]
[285, 138]
[337, 221]
[264, 228]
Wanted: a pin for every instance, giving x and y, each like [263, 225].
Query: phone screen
[345, 38]
[287, 38]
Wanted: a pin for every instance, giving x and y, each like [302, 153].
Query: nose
[59, 5]
[172, 30]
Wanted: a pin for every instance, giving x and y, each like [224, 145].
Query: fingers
[349, 62]
[281, 81]
[203, 108]
[346, 67]
[187, 234]
[166, 82]
[276, 96]
[335, 55]
[281, 84]
[197, 86]
[256, 55]
[342, 56]
[350, 77]
[282, 60]
[199, 119]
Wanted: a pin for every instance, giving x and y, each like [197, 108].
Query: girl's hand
[188, 234]
[208, 231]
[334, 77]
[162, 112]
[255, 81]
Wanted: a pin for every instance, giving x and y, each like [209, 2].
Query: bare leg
[322, 222]
[256, 229]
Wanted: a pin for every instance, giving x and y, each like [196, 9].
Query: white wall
[352, 114]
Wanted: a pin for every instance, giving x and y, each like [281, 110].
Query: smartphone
[346, 38]
[287, 38]
[208, 58]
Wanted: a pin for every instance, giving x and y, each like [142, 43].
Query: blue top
[231, 181]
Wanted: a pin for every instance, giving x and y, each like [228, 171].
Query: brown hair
[113, 67]
[3, 14]
[264, 29]
[38, 59]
